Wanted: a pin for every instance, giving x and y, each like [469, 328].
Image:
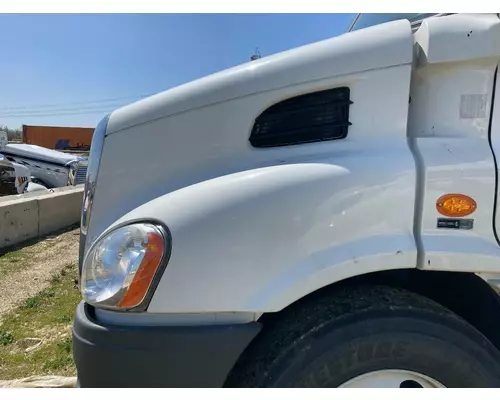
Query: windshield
[365, 20]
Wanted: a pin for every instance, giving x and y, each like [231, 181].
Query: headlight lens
[119, 268]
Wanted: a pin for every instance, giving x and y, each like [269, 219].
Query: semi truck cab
[323, 217]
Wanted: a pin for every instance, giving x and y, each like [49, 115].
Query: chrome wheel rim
[392, 378]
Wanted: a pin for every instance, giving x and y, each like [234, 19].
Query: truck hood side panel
[205, 135]
[285, 217]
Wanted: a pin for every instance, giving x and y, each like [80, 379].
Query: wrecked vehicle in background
[14, 178]
[47, 167]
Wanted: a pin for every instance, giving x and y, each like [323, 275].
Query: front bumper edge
[118, 356]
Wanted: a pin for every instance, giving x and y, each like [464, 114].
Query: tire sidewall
[442, 348]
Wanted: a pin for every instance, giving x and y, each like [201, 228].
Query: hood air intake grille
[311, 117]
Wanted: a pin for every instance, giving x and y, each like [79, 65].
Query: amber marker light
[145, 273]
[455, 205]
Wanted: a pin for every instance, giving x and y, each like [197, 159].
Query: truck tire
[367, 336]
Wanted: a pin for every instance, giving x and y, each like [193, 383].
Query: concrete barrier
[24, 217]
[18, 221]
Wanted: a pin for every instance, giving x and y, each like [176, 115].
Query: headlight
[119, 268]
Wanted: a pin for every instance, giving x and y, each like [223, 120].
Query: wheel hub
[392, 378]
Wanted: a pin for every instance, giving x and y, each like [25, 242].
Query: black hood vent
[311, 117]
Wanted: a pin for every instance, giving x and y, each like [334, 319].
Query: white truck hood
[379, 46]
[200, 131]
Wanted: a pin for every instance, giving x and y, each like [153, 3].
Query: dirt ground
[29, 270]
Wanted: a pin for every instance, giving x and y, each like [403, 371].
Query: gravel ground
[27, 271]
[40, 382]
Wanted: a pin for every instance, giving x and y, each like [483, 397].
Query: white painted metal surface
[495, 144]
[23, 173]
[48, 173]
[255, 229]
[452, 88]
[35, 187]
[207, 135]
[392, 378]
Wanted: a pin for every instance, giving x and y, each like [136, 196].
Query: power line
[56, 114]
[111, 99]
[57, 110]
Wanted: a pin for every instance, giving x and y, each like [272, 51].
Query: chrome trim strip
[92, 170]
[94, 162]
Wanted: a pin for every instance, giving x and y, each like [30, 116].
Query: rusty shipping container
[58, 137]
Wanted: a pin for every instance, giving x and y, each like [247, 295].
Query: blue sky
[55, 64]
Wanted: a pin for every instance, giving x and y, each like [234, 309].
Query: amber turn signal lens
[455, 205]
[145, 273]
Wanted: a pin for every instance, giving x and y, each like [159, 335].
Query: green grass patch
[6, 338]
[38, 299]
[48, 316]
[64, 319]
